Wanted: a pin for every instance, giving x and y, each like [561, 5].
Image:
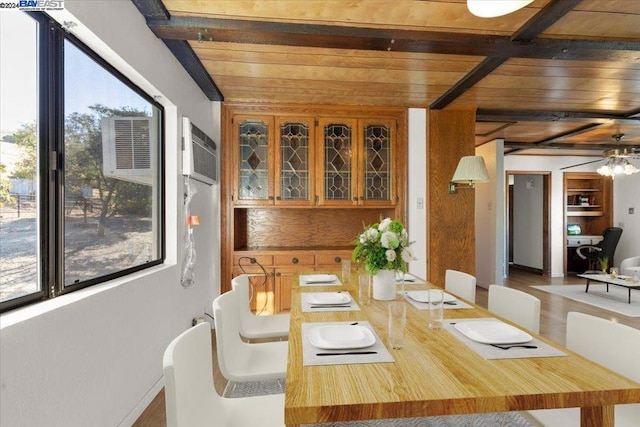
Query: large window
[81, 174]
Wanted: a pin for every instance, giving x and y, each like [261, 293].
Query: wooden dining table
[435, 373]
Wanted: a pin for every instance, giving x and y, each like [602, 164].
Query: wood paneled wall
[451, 217]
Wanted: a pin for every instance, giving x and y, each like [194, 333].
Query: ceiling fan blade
[581, 164]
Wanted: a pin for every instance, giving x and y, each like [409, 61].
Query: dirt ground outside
[128, 242]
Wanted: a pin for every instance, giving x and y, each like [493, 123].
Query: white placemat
[336, 282]
[308, 307]
[448, 306]
[310, 357]
[488, 351]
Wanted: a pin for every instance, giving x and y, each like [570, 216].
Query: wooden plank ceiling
[551, 78]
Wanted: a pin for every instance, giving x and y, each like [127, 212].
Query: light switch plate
[632, 211]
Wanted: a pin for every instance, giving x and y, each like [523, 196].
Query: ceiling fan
[617, 160]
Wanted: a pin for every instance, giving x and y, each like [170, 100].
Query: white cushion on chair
[610, 344]
[515, 305]
[240, 361]
[628, 266]
[256, 327]
[461, 284]
[190, 397]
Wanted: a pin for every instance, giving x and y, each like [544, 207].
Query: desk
[436, 374]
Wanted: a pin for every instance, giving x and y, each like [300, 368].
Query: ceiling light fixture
[617, 166]
[493, 8]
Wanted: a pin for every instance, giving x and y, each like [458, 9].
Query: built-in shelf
[588, 201]
[590, 213]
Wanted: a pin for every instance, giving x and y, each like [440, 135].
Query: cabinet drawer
[289, 260]
[335, 258]
[261, 259]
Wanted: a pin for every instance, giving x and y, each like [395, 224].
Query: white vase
[384, 285]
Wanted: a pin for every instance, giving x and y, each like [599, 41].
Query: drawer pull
[294, 260]
[337, 259]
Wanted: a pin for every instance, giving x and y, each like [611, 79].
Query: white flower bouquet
[383, 246]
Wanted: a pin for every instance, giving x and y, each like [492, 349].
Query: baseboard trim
[146, 400]
[527, 268]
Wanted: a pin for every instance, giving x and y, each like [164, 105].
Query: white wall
[94, 357]
[417, 184]
[528, 199]
[626, 194]
[625, 185]
[489, 217]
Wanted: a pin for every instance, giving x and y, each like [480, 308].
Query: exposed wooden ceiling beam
[478, 73]
[560, 146]
[490, 115]
[549, 141]
[529, 31]
[155, 10]
[331, 36]
[542, 20]
[190, 61]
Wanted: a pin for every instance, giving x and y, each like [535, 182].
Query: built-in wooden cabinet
[299, 183]
[588, 203]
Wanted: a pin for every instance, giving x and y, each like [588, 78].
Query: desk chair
[251, 325]
[515, 305]
[190, 396]
[605, 249]
[240, 361]
[610, 344]
[461, 284]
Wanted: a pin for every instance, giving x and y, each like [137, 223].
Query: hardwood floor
[553, 317]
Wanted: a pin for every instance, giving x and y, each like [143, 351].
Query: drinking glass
[397, 323]
[436, 308]
[346, 270]
[364, 289]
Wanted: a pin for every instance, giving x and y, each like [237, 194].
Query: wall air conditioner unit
[127, 148]
[199, 155]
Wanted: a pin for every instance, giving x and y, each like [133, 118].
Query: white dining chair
[515, 305]
[610, 344]
[251, 325]
[190, 396]
[460, 283]
[240, 361]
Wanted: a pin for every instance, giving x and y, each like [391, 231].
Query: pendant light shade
[493, 8]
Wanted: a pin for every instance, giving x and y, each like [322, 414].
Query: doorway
[528, 245]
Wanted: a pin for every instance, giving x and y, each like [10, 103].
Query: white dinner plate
[492, 332]
[339, 337]
[423, 296]
[318, 278]
[329, 298]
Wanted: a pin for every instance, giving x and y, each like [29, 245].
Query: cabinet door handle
[294, 260]
[355, 199]
[270, 197]
[278, 198]
[278, 274]
[361, 197]
[337, 259]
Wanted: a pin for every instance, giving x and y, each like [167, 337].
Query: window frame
[51, 165]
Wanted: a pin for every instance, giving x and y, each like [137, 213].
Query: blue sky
[85, 82]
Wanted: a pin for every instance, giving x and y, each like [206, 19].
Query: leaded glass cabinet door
[377, 167]
[337, 151]
[254, 161]
[294, 177]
